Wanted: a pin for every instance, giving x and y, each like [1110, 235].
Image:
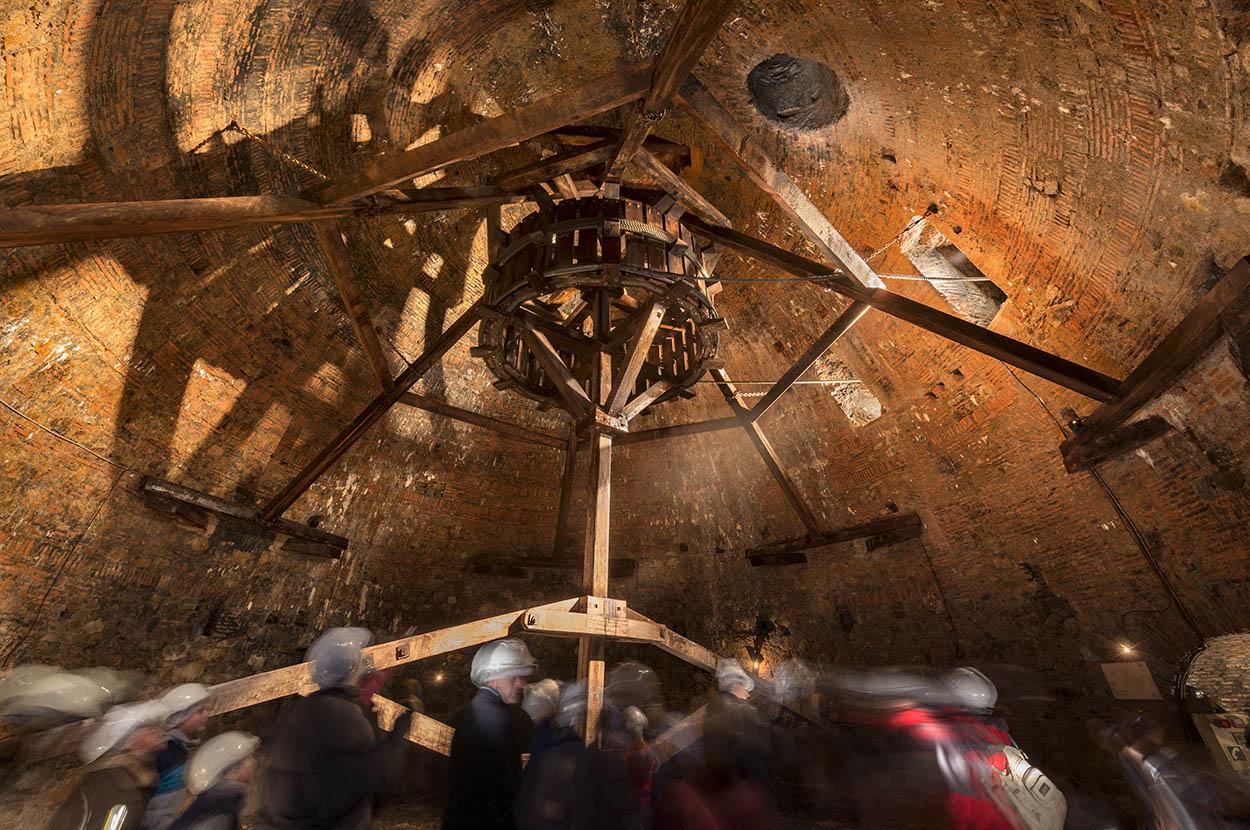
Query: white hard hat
[31, 691]
[729, 673]
[541, 700]
[182, 700]
[216, 756]
[972, 689]
[635, 722]
[118, 725]
[572, 703]
[501, 659]
[336, 655]
[119, 684]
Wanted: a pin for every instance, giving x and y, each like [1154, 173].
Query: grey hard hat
[336, 655]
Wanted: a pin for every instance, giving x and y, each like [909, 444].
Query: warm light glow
[438, 678]
[1127, 649]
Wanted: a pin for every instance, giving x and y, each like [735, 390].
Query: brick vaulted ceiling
[1088, 155]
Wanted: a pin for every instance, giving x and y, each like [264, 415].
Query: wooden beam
[680, 189]
[672, 153]
[579, 405]
[1163, 367]
[644, 399]
[678, 430]
[697, 23]
[592, 97]
[370, 415]
[330, 241]
[675, 644]
[905, 526]
[1077, 455]
[54, 224]
[679, 736]
[566, 492]
[574, 160]
[770, 178]
[1056, 369]
[249, 515]
[636, 356]
[840, 326]
[520, 433]
[424, 730]
[595, 555]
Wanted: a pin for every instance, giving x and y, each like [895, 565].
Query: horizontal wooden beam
[573, 160]
[789, 551]
[250, 515]
[679, 736]
[524, 567]
[424, 730]
[678, 430]
[1031, 359]
[593, 96]
[51, 224]
[670, 152]
[520, 433]
[1078, 455]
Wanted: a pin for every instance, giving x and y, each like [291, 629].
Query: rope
[275, 151]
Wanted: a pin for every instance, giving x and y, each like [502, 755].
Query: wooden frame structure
[383, 186]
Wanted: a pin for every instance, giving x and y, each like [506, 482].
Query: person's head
[505, 666]
[542, 699]
[338, 657]
[229, 756]
[189, 705]
[971, 690]
[732, 679]
[136, 729]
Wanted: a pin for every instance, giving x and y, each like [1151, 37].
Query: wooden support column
[330, 240]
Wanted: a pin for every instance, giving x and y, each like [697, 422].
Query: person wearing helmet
[217, 775]
[491, 733]
[188, 705]
[328, 762]
[120, 775]
[543, 801]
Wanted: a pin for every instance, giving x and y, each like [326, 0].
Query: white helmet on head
[971, 689]
[182, 700]
[336, 655]
[215, 758]
[729, 673]
[635, 722]
[572, 703]
[541, 700]
[118, 725]
[42, 691]
[501, 659]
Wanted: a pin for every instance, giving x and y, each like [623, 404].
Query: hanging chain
[276, 152]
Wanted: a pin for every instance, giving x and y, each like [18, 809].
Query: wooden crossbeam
[793, 551]
[573, 160]
[672, 153]
[645, 398]
[52, 224]
[679, 736]
[1078, 455]
[370, 414]
[1191, 339]
[679, 188]
[557, 372]
[1031, 359]
[592, 97]
[520, 433]
[839, 327]
[678, 430]
[697, 23]
[330, 241]
[636, 356]
[424, 730]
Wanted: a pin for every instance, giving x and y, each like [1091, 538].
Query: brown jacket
[114, 781]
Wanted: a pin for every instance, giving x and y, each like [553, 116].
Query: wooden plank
[592, 97]
[520, 433]
[204, 501]
[1184, 345]
[54, 224]
[635, 356]
[330, 241]
[839, 327]
[557, 372]
[595, 551]
[644, 399]
[566, 493]
[569, 161]
[370, 415]
[679, 736]
[760, 560]
[678, 430]
[1056, 369]
[670, 152]
[680, 189]
[680, 647]
[697, 23]
[424, 730]
[1078, 455]
[907, 523]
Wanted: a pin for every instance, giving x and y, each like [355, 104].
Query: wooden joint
[1086, 450]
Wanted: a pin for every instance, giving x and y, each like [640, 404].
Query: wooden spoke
[330, 240]
[596, 95]
[556, 370]
[574, 160]
[680, 189]
[644, 399]
[635, 357]
[678, 430]
[516, 431]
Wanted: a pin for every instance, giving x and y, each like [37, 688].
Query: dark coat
[545, 800]
[735, 741]
[217, 807]
[117, 780]
[485, 770]
[327, 763]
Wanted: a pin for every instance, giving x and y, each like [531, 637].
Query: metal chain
[277, 152]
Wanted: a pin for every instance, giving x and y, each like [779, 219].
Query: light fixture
[1127, 649]
[438, 678]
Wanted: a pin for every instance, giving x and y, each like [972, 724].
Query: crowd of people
[520, 758]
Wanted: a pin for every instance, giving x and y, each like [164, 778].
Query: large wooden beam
[592, 97]
[1077, 455]
[424, 730]
[566, 493]
[792, 551]
[679, 188]
[330, 240]
[1163, 367]
[520, 433]
[635, 356]
[370, 415]
[678, 430]
[573, 160]
[52, 224]
[575, 399]
[679, 736]
[697, 23]
[1056, 369]
[840, 326]
[596, 555]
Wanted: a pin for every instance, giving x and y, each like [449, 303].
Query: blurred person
[120, 775]
[735, 736]
[491, 733]
[544, 799]
[604, 795]
[217, 776]
[541, 701]
[328, 762]
[188, 704]
[35, 697]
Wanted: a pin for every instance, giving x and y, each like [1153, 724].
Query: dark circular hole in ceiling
[797, 94]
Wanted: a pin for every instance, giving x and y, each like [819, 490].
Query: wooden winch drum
[554, 266]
